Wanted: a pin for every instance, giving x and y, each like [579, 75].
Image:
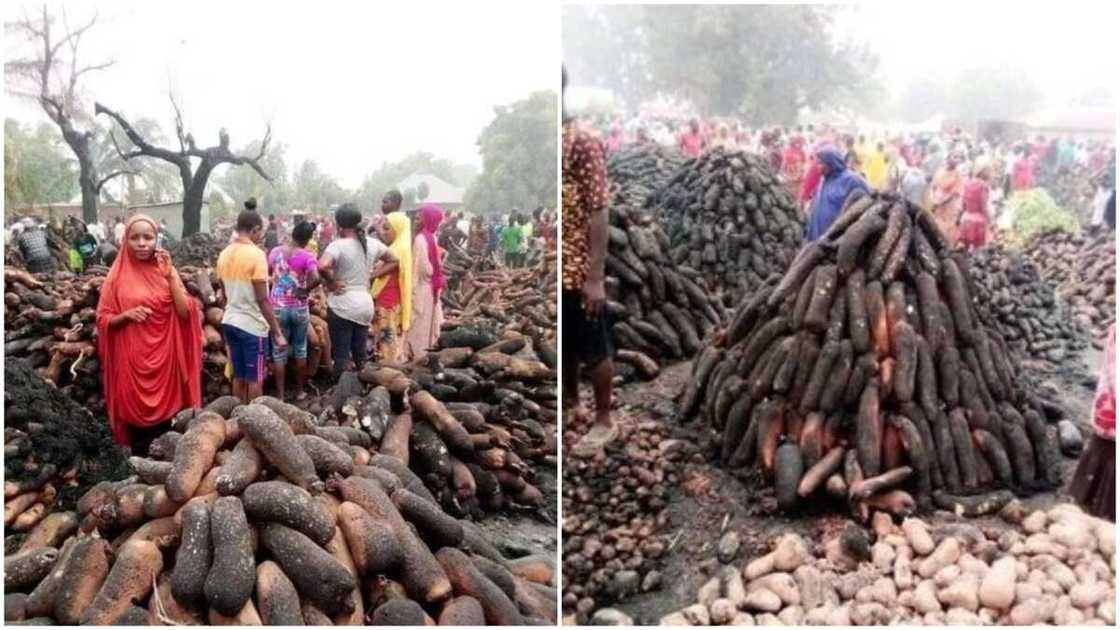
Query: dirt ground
[711, 501]
[519, 534]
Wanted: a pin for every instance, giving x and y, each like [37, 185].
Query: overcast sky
[1066, 47]
[349, 84]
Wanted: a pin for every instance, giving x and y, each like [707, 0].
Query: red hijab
[153, 369]
[430, 217]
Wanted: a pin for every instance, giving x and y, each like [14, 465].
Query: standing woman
[837, 184]
[149, 335]
[946, 194]
[392, 290]
[1094, 482]
[793, 164]
[294, 272]
[344, 269]
[975, 216]
[428, 283]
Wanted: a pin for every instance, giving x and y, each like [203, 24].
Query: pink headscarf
[430, 218]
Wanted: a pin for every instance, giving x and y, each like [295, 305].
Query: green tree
[997, 92]
[389, 174]
[242, 183]
[37, 168]
[760, 62]
[145, 180]
[921, 99]
[518, 150]
[315, 190]
[605, 46]
[218, 207]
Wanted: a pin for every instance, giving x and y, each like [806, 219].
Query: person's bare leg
[239, 390]
[570, 383]
[253, 391]
[279, 376]
[301, 377]
[602, 376]
[603, 431]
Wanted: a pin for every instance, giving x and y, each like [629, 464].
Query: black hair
[348, 217]
[271, 216]
[251, 203]
[394, 195]
[248, 220]
[303, 233]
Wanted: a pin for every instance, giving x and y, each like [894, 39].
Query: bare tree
[194, 177]
[50, 76]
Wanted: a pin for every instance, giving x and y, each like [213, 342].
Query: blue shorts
[293, 323]
[246, 353]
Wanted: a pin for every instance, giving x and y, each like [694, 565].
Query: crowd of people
[381, 274]
[962, 180]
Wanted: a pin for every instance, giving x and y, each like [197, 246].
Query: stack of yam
[254, 515]
[864, 373]
[1012, 298]
[1083, 268]
[658, 310]
[730, 218]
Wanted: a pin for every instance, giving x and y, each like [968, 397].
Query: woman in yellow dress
[392, 290]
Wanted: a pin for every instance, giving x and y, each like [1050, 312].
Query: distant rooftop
[439, 191]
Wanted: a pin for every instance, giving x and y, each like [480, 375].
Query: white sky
[1066, 47]
[349, 84]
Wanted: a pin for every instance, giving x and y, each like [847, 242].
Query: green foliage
[242, 183]
[763, 63]
[1034, 211]
[981, 93]
[315, 191]
[155, 181]
[38, 166]
[605, 46]
[389, 174]
[518, 151]
[922, 99]
[998, 92]
[218, 207]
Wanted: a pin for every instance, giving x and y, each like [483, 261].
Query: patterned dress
[584, 193]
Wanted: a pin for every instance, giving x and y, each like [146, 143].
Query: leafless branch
[178, 123]
[114, 174]
[124, 157]
[142, 145]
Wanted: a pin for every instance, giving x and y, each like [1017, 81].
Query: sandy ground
[711, 501]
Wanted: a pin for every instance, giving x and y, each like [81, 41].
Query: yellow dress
[876, 169]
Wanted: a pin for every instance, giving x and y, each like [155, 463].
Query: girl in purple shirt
[294, 273]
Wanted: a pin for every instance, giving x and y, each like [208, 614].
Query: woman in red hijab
[427, 282]
[149, 335]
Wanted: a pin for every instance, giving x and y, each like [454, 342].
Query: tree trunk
[87, 172]
[193, 196]
[89, 200]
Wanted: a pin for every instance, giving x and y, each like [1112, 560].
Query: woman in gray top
[344, 267]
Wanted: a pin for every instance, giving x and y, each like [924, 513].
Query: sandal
[595, 440]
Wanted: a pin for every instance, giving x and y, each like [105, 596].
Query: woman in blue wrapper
[839, 182]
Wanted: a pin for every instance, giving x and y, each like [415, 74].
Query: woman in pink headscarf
[427, 282]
